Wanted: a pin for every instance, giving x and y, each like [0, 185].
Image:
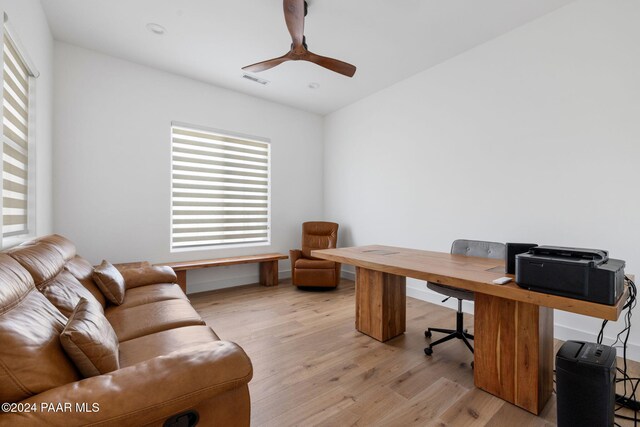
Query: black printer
[586, 274]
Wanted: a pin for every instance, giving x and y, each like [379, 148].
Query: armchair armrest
[294, 255]
[145, 393]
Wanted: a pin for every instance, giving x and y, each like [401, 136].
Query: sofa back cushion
[43, 261]
[64, 291]
[82, 270]
[63, 245]
[31, 357]
[90, 341]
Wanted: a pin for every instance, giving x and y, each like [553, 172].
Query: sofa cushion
[152, 293]
[42, 260]
[64, 246]
[148, 275]
[134, 322]
[161, 343]
[110, 282]
[15, 283]
[31, 357]
[90, 341]
[82, 270]
[64, 291]
[314, 263]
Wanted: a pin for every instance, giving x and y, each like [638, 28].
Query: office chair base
[465, 337]
[427, 333]
[459, 332]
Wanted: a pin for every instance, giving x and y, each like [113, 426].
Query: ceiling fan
[294, 13]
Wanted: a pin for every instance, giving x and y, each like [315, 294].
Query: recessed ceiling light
[156, 28]
[314, 85]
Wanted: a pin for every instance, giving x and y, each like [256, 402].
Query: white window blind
[15, 141]
[220, 188]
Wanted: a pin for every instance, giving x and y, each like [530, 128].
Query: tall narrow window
[16, 77]
[220, 188]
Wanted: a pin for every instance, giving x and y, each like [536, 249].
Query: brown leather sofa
[171, 363]
[309, 271]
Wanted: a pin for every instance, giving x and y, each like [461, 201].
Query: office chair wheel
[428, 351]
[427, 334]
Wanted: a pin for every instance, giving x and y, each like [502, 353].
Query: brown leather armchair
[309, 271]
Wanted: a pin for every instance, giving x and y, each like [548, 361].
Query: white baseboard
[435, 298]
[350, 275]
[230, 282]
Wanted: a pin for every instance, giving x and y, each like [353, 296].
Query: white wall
[112, 160]
[534, 136]
[29, 22]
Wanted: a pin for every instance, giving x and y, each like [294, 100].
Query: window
[17, 175]
[220, 188]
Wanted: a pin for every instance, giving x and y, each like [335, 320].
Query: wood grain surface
[380, 304]
[312, 368]
[474, 274]
[268, 267]
[514, 354]
[219, 262]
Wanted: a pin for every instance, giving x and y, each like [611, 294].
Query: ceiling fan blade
[331, 64]
[294, 16]
[265, 65]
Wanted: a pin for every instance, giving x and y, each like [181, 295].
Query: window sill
[10, 242]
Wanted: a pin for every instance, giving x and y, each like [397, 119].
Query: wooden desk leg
[269, 273]
[513, 356]
[381, 304]
[182, 280]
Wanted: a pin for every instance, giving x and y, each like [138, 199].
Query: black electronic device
[586, 274]
[585, 384]
[511, 250]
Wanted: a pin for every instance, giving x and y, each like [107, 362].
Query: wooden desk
[513, 357]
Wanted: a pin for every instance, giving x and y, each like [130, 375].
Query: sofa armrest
[148, 275]
[136, 264]
[144, 393]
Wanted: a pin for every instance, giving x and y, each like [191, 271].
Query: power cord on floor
[628, 398]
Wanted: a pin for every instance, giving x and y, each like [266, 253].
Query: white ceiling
[210, 40]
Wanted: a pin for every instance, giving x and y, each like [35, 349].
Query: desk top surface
[471, 273]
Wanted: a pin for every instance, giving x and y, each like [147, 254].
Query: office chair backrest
[318, 235]
[478, 248]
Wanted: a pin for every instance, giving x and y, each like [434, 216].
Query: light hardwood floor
[311, 367]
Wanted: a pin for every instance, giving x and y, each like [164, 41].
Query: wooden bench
[268, 267]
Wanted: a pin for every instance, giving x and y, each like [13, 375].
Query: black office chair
[475, 248]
